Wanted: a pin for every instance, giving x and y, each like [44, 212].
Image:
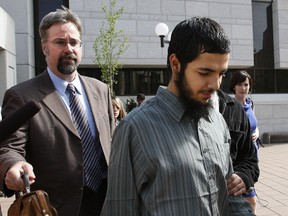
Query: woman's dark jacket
[243, 152]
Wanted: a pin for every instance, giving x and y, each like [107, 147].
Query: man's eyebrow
[205, 69]
[211, 70]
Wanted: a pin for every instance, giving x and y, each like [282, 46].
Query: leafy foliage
[130, 104]
[110, 45]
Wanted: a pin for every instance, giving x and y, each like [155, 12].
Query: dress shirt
[61, 86]
[164, 163]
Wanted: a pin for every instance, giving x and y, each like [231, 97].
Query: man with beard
[170, 156]
[53, 146]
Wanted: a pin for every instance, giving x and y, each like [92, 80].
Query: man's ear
[174, 63]
[44, 48]
[175, 67]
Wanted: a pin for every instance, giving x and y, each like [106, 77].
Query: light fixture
[162, 30]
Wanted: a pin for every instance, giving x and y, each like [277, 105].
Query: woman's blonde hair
[118, 103]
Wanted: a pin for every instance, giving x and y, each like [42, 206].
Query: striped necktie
[92, 167]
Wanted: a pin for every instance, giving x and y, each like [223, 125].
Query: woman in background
[240, 84]
[119, 110]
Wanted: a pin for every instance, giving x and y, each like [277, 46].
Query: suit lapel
[93, 99]
[98, 109]
[54, 103]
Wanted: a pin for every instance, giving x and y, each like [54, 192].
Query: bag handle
[25, 178]
[26, 182]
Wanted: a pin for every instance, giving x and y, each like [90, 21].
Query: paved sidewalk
[5, 203]
[272, 187]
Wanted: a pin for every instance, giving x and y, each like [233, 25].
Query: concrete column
[7, 53]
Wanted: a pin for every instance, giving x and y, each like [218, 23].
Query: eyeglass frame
[61, 43]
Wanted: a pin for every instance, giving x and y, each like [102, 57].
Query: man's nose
[69, 47]
[215, 83]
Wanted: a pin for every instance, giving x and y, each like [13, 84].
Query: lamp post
[162, 30]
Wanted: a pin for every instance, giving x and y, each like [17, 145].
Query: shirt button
[205, 151]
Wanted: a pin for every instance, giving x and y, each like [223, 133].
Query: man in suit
[49, 146]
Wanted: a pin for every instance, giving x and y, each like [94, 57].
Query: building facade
[257, 30]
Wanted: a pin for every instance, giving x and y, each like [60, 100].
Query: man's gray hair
[63, 15]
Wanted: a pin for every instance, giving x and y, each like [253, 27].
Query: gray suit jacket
[50, 142]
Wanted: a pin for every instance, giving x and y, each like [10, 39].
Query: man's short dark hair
[195, 36]
[239, 77]
[141, 96]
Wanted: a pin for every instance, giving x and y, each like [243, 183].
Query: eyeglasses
[59, 43]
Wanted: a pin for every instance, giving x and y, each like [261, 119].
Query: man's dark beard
[66, 67]
[195, 109]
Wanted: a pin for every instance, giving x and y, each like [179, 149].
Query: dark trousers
[92, 202]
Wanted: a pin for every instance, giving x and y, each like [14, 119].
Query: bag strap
[27, 189]
[19, 194]
[26, 182]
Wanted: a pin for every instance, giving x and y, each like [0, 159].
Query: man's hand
[13, 178]
[235, 185]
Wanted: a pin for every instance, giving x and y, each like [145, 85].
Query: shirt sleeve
[12, 149]
[122, 194]
[245, 159]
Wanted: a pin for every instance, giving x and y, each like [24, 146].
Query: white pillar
[8, 75]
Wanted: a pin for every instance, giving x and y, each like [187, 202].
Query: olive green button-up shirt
[163, 163]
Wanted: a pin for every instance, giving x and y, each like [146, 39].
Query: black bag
[35, 203]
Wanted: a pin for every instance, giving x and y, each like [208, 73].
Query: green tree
[110, 45]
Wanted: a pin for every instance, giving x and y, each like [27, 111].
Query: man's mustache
[69, 56]
[209, 91]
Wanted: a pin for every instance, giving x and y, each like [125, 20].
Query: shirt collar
[61, 84]
[174, 105]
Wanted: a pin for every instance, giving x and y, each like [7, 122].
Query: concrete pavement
[272, 187]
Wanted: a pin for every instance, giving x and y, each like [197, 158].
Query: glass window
[281, 81]
[132, 81]
[147, 81]
[263, 81]
[263, 35]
